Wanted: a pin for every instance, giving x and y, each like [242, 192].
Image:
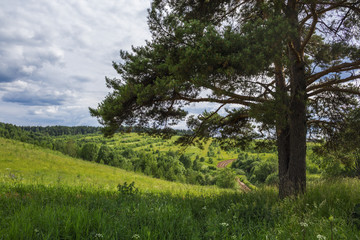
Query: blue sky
[54, 56]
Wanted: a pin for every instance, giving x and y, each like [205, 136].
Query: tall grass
[44, 195]
[63, 212]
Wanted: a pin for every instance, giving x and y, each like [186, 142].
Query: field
[46, 195]
[141, 142]
[28, 164]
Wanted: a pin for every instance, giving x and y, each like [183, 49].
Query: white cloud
[54, 56]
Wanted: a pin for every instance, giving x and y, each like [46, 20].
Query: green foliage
[89, 151]
[105, 154]
[63, 212]
[340, 154]
[225, 178]
[186, 161]
[263, 169]
[127, 189]
[44, 194]
[26, 163]
[256, 169]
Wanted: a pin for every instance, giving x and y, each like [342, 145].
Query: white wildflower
[304, 224]
[136, 236]
[320, 237]
[224, 224]
[99, 235]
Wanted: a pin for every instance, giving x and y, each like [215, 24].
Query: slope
[29, 164]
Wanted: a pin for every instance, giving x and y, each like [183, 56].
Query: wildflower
[136, 236]
[320, 237]
[304, 224]
[224, 224]
[204, 208]
[99, 235]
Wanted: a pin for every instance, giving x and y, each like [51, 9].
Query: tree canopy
[284, 69]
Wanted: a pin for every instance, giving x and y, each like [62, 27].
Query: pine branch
[234, 95]
[332, 82]
[214, 100]
[334, 89]
[334, 69]
[311, 30]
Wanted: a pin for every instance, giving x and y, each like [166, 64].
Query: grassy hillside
[142, 142]
[26, 163]
[46, 195]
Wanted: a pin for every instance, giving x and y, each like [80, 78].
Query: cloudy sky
[55, 54]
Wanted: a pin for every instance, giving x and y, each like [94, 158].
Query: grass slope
[31, 164]
[44, 206]
[137, 141]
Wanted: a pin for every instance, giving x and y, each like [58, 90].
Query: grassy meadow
[28, 164]
[46, 195]
[142, 142]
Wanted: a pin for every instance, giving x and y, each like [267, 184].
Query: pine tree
[286, 65]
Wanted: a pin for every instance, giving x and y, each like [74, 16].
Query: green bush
[225, 178]
[272, 179]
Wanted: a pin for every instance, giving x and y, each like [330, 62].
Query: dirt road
[223, 164]
[242, 185]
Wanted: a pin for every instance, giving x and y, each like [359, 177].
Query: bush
[263, 169]
[272, 179]
[225, 178]
[128, 189]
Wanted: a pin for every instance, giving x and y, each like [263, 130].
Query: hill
[47, 195]
[27, 163]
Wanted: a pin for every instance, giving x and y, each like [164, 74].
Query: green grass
[35, 203]
[62, 212]
[31, 164]
[141, 142]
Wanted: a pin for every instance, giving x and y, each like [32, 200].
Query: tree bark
[296, 182]
[282, 131]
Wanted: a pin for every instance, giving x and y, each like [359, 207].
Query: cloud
[38, 98]
[54, 56]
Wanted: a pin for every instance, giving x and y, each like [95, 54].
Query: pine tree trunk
[282, 131]
[295, 181]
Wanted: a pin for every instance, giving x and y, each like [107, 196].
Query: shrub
[225, 178]
[272, 179]
[127, 189]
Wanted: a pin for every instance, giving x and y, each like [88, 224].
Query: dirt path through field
[223, 164]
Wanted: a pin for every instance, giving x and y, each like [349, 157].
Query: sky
[54, 56]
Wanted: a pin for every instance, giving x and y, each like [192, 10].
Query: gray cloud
[54, 56]
[35, 98]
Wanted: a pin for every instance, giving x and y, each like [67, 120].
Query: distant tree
[225, 178]
[186, 161]
[196, 165]
[71, 148]
[89, 151]
[286, 65]
[105, 154]
[343, 145]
